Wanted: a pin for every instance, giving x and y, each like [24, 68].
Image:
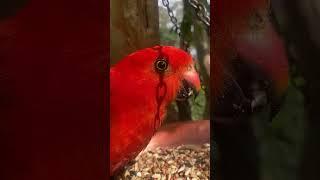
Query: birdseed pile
[186, 162]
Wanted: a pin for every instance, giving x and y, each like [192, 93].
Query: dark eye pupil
[161, 65]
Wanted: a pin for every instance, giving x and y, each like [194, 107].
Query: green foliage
[167, 37]
[198, 105]
[281, 142]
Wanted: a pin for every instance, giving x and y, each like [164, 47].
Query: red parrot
[141, 86]
[243, 34]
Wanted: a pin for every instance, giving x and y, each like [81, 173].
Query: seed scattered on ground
[185, 162]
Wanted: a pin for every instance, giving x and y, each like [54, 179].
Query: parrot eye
[161, 65]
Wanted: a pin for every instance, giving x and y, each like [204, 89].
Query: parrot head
[251, 57]
[169, 71]
[264, 50]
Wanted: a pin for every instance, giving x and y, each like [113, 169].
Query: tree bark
[133, 25]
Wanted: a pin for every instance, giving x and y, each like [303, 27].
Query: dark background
[53, 58]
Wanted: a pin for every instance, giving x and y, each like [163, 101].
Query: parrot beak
[265, 51]
[190, 84]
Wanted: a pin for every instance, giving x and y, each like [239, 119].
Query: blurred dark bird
[250, 72]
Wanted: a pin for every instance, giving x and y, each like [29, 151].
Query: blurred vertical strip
[299, 22]
[52, 114]
[213, 145]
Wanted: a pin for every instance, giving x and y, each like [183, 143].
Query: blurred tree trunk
[184, 106]
[201, 53]
[133, 25]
